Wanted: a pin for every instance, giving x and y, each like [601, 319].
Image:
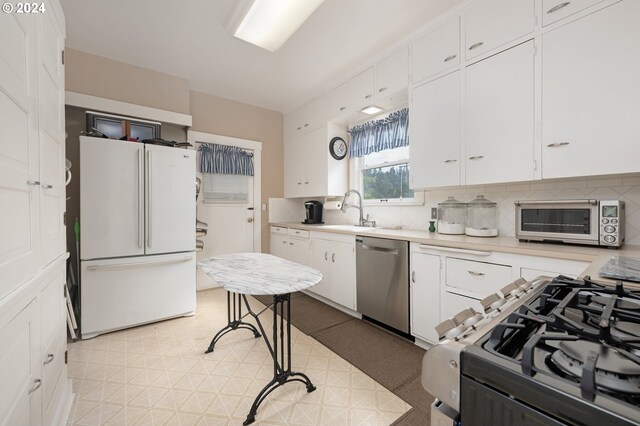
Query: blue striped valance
[226, 160]
[378, 135]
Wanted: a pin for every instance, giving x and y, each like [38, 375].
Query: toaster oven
[589, 222]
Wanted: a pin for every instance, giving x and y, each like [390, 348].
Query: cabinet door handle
[49, 359]
[333, 257]
[306, 125]
[557, 144]
[300, 128]
[450, 58]
[558, 7]
[413, 276]
[284, 242]
[476, 157]
[450, 161]
[36, 385]
[33, 182]
[290, 244]
[343, 108]
[326, 256]
[382, 89]
[476, 274]
[47, 186]
[299, 183]
[476, 45]
[368, 96]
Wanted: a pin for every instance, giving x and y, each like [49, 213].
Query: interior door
[170, 199]
[52, 138]
[231, 222]
[111, 194]
[19, 174]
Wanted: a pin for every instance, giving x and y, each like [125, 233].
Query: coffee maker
[314, 212]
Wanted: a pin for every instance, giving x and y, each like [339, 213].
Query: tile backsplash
[625, 187]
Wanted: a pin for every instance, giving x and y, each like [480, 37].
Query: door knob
[249, 219]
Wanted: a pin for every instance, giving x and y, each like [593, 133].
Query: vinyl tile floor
[158, 374]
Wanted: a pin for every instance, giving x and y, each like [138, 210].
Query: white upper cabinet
[305, 119]
[362, 89]
[437, 51]
[309, 168]
[435, 132]
[591, 95]
[555, 10]
[337, 103]
[392, 75]
[493, 23]
[500, 117]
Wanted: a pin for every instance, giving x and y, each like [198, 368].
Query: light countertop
[597, 256]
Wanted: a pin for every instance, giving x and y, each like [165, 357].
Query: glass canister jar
[451, 216]
[482, 218]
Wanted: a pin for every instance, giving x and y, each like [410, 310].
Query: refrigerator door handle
[134, 264]
[148, 198]
[140, 198]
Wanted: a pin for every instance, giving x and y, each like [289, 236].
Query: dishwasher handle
[380, 249]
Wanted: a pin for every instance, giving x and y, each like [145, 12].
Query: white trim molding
[82, 100]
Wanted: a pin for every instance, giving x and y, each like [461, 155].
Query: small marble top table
[262, 274]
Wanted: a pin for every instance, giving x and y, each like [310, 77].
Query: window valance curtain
[378, 135]
[226, 160]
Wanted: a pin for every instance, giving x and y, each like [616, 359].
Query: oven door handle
[541, 202]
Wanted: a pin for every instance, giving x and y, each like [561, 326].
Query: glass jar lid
[480, 201]
[452, 202]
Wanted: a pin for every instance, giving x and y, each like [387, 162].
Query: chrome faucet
[361, 221]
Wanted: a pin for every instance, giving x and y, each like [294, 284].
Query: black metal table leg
[235, 323]
[281, 366]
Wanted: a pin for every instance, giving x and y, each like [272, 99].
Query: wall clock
[338, 148]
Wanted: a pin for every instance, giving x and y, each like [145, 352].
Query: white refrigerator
[137, 244]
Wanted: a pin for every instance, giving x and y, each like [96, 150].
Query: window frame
[357, 170]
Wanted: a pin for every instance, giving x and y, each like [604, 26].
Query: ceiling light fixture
[371, 109]
[269, 23]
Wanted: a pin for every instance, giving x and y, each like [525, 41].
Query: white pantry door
[233, 226]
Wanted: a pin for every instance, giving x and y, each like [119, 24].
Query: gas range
[560, 351]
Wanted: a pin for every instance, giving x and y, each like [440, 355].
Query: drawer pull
[557, 144]
[49, 359]
[368, 96]
[290, 244]
[382, 89]
[558, 7]
[284, 242]
[450, 58]
[47, 186]
[476, 274]
[450, 161]
[333, 257]
[476, 157]
[36, 385]
[476, 45]
[326, 256]
[455, 250]
[343, 108]
[33, 182]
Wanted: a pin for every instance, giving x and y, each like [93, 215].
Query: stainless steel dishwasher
[382, 276]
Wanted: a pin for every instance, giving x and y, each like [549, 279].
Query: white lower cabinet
[298, 250]
[33, 338]
[425, 295]
[278, 245]
[291, 244]
[334, 256]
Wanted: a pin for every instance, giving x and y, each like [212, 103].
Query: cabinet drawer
[477, 277]
[279, 230]
[453, 303]
[436, 52]
[52, 365]
[299, 233]
[555, 10]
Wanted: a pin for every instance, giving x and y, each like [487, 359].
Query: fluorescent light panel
[371, 109]
[269, 23]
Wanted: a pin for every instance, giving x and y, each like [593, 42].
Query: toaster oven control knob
[609, 229]
[614, 221]
[605, 221]
[492, 302]
[609, 239]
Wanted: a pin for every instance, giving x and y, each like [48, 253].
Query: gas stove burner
[626, 327]
[622, 303]
[614, 372]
